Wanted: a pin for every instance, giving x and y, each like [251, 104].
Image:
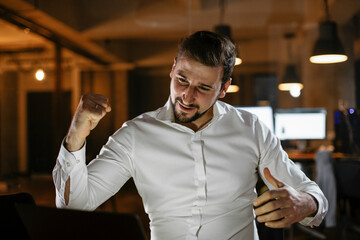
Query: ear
[225, 88]
[173, 67]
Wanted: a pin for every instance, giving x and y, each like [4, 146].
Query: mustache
[190, 106]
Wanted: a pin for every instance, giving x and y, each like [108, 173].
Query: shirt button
[77, 160]
[68, 164]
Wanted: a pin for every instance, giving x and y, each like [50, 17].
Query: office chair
[347, 173]
[11, 226]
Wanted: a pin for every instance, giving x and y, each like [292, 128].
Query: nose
[188, 95]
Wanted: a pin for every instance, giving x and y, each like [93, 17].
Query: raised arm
[91, 109]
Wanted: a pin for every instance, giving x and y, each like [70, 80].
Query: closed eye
[205, 88]
[181, 79]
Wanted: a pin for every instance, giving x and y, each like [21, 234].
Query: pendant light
[290, 82]
[225, 29]
[40, 74]
[328, 48]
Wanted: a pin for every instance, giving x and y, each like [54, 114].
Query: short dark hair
[210, 49]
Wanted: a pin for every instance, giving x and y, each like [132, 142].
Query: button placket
[195, 224]
[200, 183]
[200, 177]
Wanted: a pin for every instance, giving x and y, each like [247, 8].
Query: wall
[14, 87]
[8, 123]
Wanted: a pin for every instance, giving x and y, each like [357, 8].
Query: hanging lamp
[40, 74]
[328, 48]
[290, 81]
[225, 29]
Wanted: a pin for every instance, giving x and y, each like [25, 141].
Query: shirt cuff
[307, 221]
[70, 160]
[320, 214]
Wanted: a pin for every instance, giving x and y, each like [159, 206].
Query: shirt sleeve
[276, 159]
[92, 184]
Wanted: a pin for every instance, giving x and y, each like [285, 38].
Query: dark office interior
[125, 51]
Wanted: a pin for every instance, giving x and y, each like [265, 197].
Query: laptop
[52, 223]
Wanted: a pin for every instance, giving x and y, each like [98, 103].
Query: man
[195, 161]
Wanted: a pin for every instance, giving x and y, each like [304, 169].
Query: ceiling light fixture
[290, 81]
[328, 48]
[40, 74]
[225, 29]
[233, 89]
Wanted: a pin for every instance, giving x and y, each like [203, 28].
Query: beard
[181, 117]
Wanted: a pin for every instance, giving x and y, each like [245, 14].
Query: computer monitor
[300, 124]
[264, 113]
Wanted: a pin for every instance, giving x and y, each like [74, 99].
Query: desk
[307, 161]
[299, 156]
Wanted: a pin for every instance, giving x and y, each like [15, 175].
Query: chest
[219, 159]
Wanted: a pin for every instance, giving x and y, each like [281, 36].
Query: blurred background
[52, 51]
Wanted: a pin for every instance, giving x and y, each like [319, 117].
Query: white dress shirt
[194, 185]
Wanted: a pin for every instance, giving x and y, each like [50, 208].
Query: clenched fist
[91, 109]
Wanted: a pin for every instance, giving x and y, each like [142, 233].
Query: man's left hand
[283, 205]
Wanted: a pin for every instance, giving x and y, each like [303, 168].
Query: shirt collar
[166, 113]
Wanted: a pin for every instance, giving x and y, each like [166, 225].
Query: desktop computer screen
[264, 113]
[300, 124]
